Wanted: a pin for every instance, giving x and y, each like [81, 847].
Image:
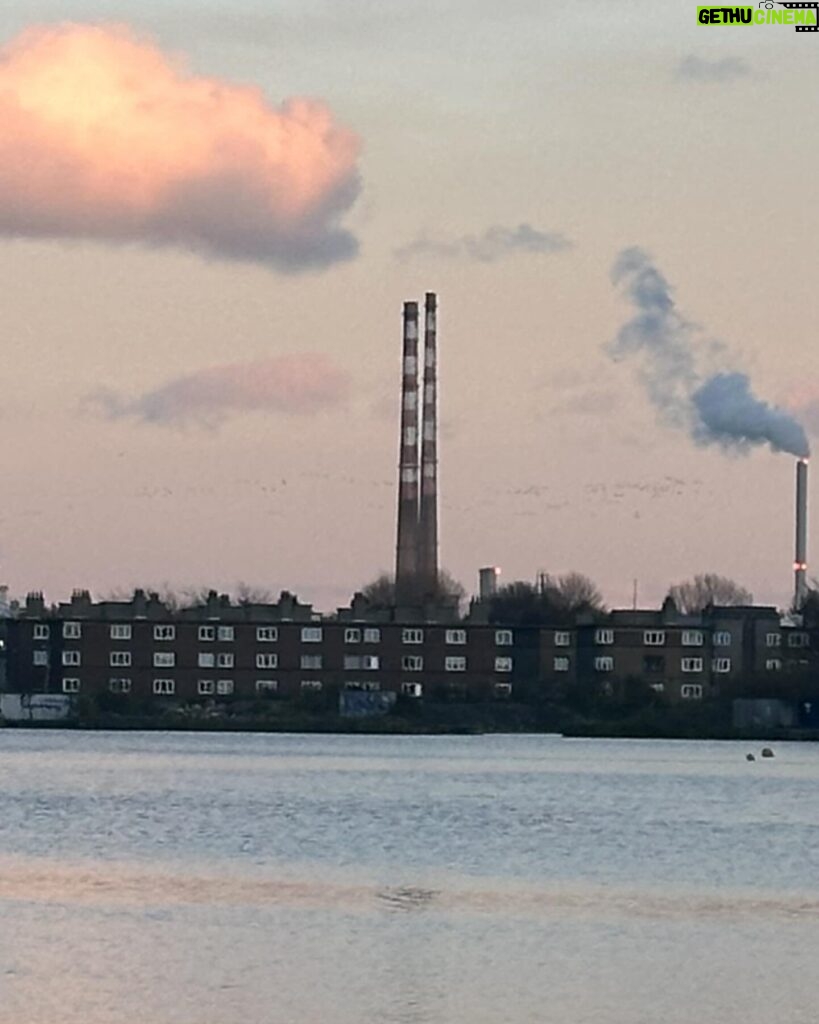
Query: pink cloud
[105, 136]
[298, 384]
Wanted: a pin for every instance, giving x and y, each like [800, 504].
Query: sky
[211, 214]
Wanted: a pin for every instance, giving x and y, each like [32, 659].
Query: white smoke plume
[715, 408]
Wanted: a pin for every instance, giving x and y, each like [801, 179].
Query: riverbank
[711, 721]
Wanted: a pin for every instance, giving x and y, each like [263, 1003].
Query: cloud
[493, 244]
[719, 408]
[106, 137]
[299, 384]
[699, 69]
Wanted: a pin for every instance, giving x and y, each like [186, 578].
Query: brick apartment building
[220, 650]
[684, 657]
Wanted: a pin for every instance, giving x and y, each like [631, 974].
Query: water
[201, 879]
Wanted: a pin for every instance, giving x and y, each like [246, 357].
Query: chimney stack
[488, 582]
[406, 559]
[800, 562]
[428, 515]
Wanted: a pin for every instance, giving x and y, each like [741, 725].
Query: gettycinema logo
[805, 17]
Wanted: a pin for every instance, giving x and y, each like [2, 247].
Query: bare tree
[518, 603]
[172, 598]
[706, 589]
[246, 593]
[810, 605]
[380, 592]
[194, 597]
[448, 590]
[575, 592]
[555, 599]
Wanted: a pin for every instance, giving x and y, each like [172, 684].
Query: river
[168, 878]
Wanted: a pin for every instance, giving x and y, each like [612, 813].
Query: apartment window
[119, 685]
[119, 659]
[691, 691]
[71, 686]
[164, 659]
[311, 684]
[71, 657]
[503, 664]
[207, 633]
[605, 664]
[503, 637]
[267, 634]
[503, 689]
[654, 637]
[412, 636]
[356, 662]
[120, 631]
[205, 687]
[352, 636]
[370, 685]
[372, 636]
[267, 661]
[225, 660]
[604, 636]
[265, 686]
[41, 657]
[41, 631]
[224, 687]
[456, 636]
[691, 664]
[164, 687]
[654, 663]
[773, 664]
[721, 665]
[773, 640]
[657, 687]
[722, 638]
[561, 664]
[798, 640]
[226, 634]
[164, 632]
[562, 638]
[311, 635]
[692, 638]
[206, 659]
[453, 664]
[412, 689]
[412, 663]
[72, 630]
[310, 661]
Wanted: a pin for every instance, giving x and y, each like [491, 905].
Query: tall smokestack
[800, 562]
[406, 558]
[428, 517]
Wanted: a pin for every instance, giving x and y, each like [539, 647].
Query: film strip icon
[802, 7]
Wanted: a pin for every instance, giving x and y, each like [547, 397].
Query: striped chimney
[428, 516]
[800, 563]
[406, 558]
